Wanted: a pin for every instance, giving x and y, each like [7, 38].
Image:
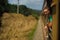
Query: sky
[34, 4]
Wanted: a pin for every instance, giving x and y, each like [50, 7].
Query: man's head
[46, 11]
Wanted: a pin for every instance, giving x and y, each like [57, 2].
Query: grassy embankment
[17, 27]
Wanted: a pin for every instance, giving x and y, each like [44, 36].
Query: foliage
[12, 8]
[3, 5]
[23, 9]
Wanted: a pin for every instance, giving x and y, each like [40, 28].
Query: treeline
[3, 6]
[23, 9]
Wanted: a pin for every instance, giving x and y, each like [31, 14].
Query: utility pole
[17, 6]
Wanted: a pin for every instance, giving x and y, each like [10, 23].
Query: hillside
[23, 9]
[17, 26]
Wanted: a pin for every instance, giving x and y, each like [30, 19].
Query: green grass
[31, 34]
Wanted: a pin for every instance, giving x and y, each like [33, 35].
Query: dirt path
[39, 31]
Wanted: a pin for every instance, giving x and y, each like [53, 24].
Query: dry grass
[16, 26]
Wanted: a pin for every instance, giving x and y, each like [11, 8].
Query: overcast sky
[34, 4]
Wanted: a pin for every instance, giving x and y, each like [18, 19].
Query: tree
[3, 8]
[3, 5]
[24, 10]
